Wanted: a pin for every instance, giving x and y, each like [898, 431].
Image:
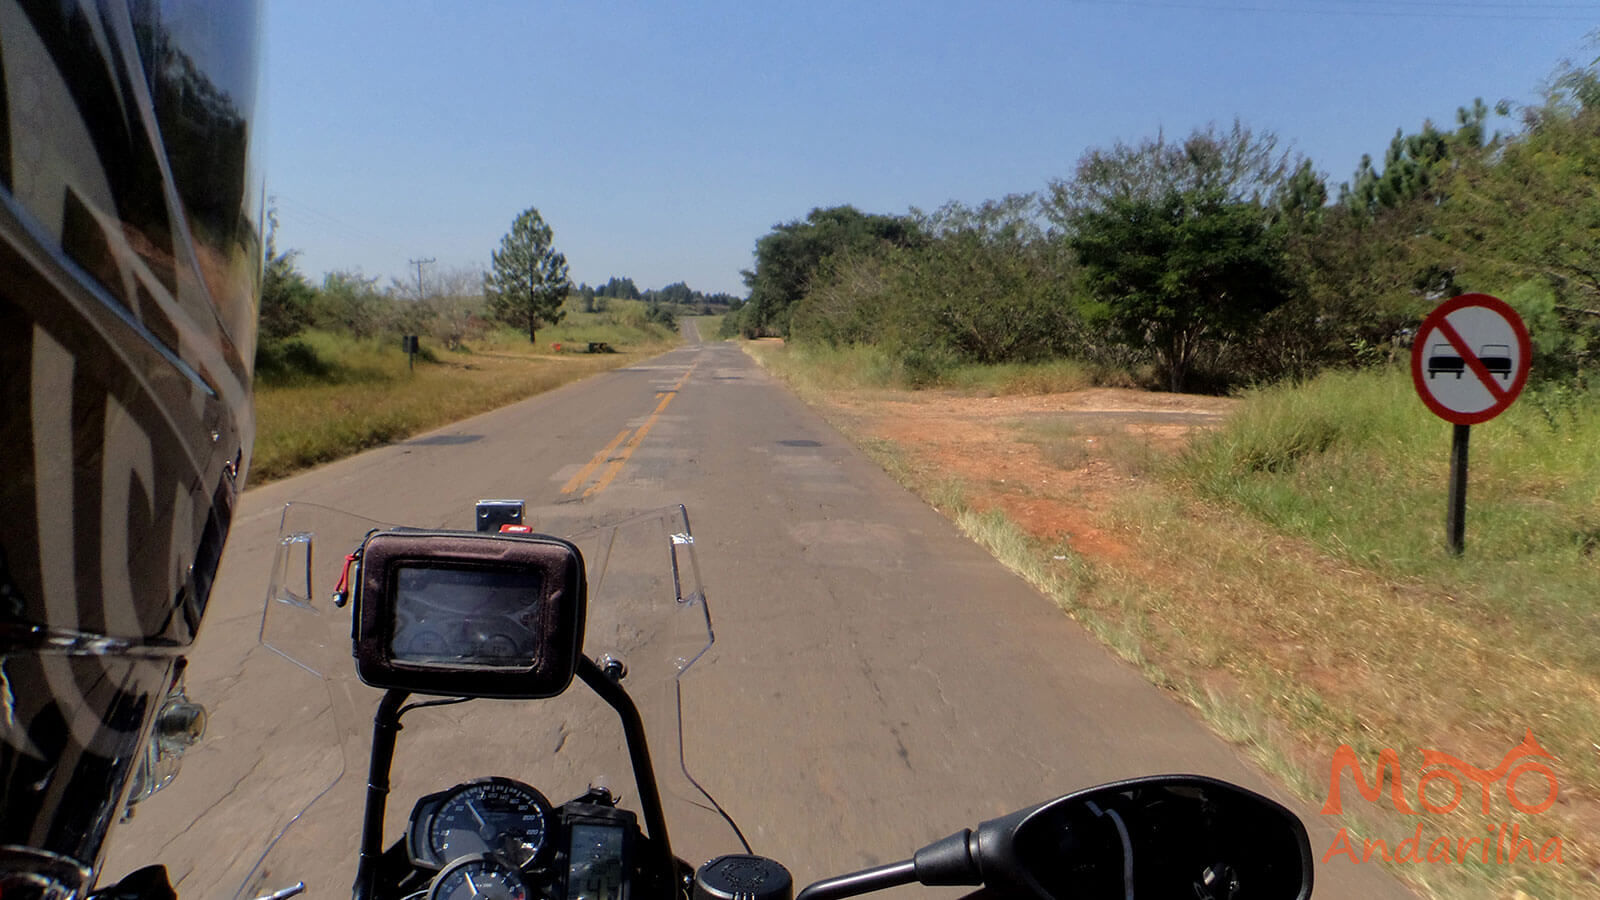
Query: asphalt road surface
[878, 680]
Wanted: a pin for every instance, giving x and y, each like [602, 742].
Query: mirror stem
[644, 774]
[385, 725]
[864, 882]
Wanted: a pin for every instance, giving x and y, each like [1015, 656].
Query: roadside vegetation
[336, 395]
[1282, 566]
[332, 379]
[710, 326]
[866, 366]
[1219, 260]
[1285, 573]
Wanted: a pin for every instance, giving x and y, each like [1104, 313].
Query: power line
[1395, 10]
[1481, 7]
[295, 210]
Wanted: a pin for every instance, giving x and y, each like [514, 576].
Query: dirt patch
[1052, 462]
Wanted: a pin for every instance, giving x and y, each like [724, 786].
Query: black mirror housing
[1159, 837]
[1162, 836]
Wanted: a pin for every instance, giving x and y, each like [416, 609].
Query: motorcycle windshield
[275, 795]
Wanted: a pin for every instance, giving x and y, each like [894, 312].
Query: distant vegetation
[1219, 260]
[331, 378]
[341, 394]
[677, 296]
[453, 310]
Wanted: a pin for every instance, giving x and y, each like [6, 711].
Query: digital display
[477, 616]
[595, 868]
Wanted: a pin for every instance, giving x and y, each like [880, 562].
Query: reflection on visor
[28, 874]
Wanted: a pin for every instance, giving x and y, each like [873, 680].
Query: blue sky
[661, 142]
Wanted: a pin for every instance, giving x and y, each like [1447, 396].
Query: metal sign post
[1455, 535]
[1469, 361]
[408, 343]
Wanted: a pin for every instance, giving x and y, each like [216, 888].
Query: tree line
[526, 287]
[677, 294]
[1221, 258]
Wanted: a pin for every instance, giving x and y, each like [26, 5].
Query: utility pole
[419, 263]
[533, 279]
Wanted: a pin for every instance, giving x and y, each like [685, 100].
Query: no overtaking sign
[1469, 361]
[1470, 358]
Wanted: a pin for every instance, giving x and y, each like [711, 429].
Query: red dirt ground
[1094, 434]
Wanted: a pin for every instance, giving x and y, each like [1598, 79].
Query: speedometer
[491, 815]
[478, 878]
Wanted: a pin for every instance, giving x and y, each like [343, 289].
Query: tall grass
[710, 326]
[854, 367]
[327, 396]
[1435, 649]
[1355, 463]
[316, 357]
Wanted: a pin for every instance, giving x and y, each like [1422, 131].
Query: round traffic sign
[1470, 358]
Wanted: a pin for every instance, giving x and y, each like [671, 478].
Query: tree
[619, 289]
[286, 296]
[349, 301]
[456, 301]
[789, 256]
[1304, 198]
[676, 293]
[1181, 244]
[528, 281]
[1180, 273]
[1238, 166]
[1416, 165]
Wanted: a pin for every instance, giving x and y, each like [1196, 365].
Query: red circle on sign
[1519, 378]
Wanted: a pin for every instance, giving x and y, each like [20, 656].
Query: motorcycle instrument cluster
[596, 860]
[489, 815]
[480, 877]
[469, 614]
[497, 837]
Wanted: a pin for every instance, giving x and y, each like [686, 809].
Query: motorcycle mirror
[1162, 836]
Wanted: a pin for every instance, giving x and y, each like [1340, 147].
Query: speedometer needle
[473, 808]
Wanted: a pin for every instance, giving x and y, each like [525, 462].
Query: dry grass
[306, 424]
[1288, 642]
[868, 367]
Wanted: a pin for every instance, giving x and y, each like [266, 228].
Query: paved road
[878, 680]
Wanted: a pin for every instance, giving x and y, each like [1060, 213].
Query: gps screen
[466, 615]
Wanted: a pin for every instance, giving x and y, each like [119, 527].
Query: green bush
[289, 360]
[980, 289]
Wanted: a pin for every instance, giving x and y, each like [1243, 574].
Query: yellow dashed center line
[583, 473]
[627, 451]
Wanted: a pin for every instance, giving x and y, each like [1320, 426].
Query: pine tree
[528, 281]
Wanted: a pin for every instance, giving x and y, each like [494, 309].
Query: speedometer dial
[494, 815]
[478, 878]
